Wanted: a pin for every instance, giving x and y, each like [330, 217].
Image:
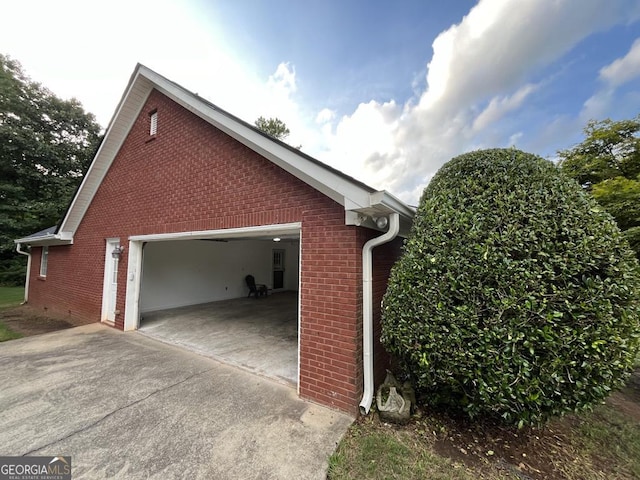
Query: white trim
[63, 238]
[344, 190]
[110, 244]
[244, 232]
[44, 261]
[318, 176]
[134, 277]
[299, 307]
[134, 271]
[126, 112]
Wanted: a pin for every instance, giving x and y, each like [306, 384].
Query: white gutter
[367, 308]
[26, 283]
[49, 239]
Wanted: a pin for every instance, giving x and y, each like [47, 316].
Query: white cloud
[499, 106]
[284, 79]
[88, 51]
[325, 115]
[515, 138]
[276, 97]
[366, 136]
[479, 74]
[614, 75]
[623, 69]
[482, 71]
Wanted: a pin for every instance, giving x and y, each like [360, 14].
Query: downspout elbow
[26, 283]
[367, 308]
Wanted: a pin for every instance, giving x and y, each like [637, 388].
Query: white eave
[358, 199]
[63, 238]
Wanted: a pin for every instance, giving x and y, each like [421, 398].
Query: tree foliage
[607, 164]
[610, 149]
[516, 296]
[620, 196]
[46, 144]
[273, 126]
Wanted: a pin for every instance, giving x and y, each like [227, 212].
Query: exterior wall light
[277, 239]
[382, 222]
[117, 251]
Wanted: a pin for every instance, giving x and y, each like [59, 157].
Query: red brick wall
[63, 292]
[331, 310]
[192, 176]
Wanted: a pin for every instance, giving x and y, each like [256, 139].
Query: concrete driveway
[127, 406]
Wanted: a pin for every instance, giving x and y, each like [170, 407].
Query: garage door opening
[193, 293]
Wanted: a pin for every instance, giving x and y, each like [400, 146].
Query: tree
[610, 149]
[46, 144]
[273, 126]
[516, 296]
[607, 164]
[620, 196]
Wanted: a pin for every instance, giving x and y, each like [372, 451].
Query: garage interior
[193, 294]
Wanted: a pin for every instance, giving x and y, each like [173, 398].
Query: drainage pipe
[367, 308]
[26, 283]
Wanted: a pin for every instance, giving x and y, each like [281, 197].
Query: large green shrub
[516, 295]
[633, 237]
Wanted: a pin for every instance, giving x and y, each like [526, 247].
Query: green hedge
[633, 237]
[516, 296]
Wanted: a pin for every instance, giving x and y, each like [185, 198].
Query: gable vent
[153, 128]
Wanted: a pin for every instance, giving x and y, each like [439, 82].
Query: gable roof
[361, 202]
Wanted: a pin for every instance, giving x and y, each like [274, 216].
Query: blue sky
[385, 91]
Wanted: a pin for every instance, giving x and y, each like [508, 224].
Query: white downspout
[26, 283]
[367, 308]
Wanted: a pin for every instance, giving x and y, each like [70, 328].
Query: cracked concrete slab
[127, 406]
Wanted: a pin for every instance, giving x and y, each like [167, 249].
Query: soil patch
[28, 321]
[527, 454]
[532, 453]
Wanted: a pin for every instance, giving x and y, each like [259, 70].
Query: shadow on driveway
[126, 406]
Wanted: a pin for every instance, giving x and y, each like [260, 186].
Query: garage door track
[127, 406]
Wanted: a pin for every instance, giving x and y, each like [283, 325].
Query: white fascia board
[125, 115]
[245, 232]
[31, 240]
[350, 194]
[65, 236]
[46, 240]
[382, 203]
[394, 204]
[327, 182]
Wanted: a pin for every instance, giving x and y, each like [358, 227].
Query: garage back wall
[190, 272]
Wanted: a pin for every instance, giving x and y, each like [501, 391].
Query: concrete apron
[127, 406]
[260, 335]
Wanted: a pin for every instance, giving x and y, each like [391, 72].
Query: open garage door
[193, 293]
[190, 272]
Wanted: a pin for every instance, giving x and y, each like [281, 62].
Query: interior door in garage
[278, 269]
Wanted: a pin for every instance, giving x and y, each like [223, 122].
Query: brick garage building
[173, 169]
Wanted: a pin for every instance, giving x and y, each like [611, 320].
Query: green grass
[592, 446]
[373, 452]
[7, 334]
[11, 296]
[610, 433]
